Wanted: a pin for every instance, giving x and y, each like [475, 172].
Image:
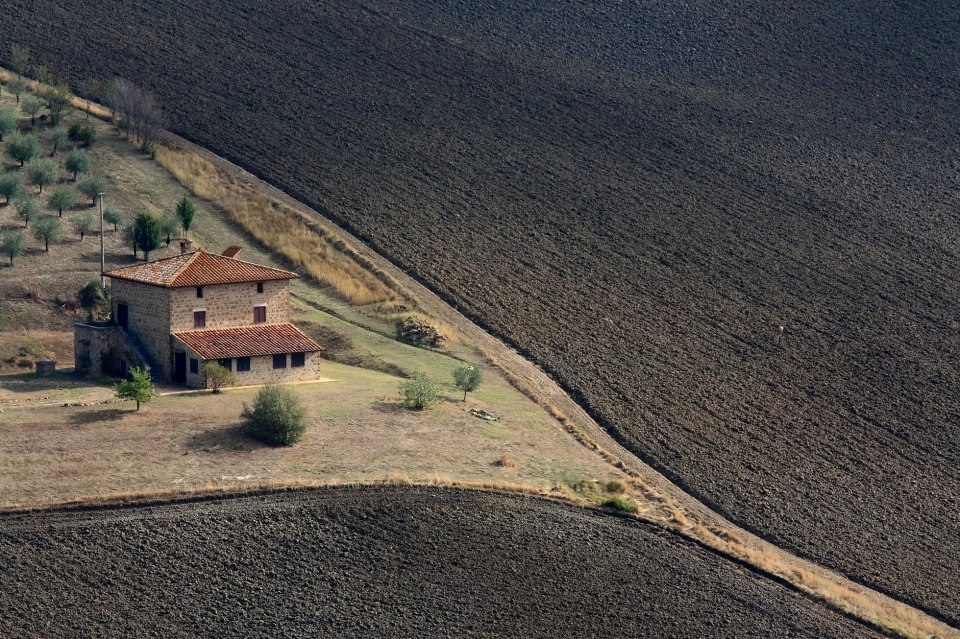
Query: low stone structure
[102, 349]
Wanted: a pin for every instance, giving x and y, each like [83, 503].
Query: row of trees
[148, 231]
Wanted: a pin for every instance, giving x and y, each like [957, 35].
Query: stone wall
[229, 305]
[103, 351]
[261, 370]
[148, 320]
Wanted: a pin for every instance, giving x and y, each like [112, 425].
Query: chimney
[231, 251]
[185, 245]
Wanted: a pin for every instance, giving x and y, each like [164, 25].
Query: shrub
[615, 486]
[620, 504]
[276, 417]
[92, 297]
[467, 378]
[74, 131]
[419, 391]
[138, 387]
[87, 135]
[217, 376]
[413, 330]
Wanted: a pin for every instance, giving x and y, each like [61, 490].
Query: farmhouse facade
[185, 311]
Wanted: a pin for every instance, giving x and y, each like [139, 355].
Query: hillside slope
[639, 197]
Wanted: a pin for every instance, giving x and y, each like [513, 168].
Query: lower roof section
[248, 341]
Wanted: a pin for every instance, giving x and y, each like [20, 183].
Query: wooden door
[180, 367]
[122, 315]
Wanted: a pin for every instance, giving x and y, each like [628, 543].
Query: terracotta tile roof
[198, 269]
[248, 341]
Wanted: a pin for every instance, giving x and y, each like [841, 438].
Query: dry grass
[505, 461]
[323, 256]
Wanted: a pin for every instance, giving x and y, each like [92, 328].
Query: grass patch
[619, 504]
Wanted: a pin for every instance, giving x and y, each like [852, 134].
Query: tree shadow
[232, 437]
[85, 418]
[389, 407]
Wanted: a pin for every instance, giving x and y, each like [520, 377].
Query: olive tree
[13, 245]
[467, 378]
[58, 100]
[77, 162]
[10, 185]
[8, 122]
[113, 216]
[27, 208]
[43, 171]
[58, 137]
[47, 229]
[130, 237]
[17, 87]
[62, 198]
[92, 186]
[146, 234]
[82, 225]
[32, 106]
[419, 391]
[23, 148]
[170, 226]
[19, 59]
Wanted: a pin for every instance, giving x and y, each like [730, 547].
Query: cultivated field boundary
[659, 500]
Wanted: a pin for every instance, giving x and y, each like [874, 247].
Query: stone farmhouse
[178, 313]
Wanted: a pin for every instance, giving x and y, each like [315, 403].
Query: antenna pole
[102, 268]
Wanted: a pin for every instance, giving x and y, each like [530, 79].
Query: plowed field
[639, 196]
[380, 562]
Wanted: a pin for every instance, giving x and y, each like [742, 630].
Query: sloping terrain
[639, 196]
[381, 562]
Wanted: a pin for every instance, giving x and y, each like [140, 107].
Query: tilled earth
[728, 228]
[380, 562]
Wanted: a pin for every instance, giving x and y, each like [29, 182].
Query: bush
[276, 417]
[413, 330]
[216, 376]
[620, 504]
[74, 131]
[93, 297]
[419, 391]
[86, 136]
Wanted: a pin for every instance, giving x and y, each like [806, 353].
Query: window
[259, 287]
[243, 364]
[194, 366]
[259, 314]
[199, 319]
[226, 363]
[280, 361]
[297, 360]
[200, 291]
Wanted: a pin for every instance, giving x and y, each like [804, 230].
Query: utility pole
[102, 267]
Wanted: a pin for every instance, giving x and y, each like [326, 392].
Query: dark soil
[638, 195]
[380, 562]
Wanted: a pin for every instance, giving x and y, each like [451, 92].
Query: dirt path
[668, 505]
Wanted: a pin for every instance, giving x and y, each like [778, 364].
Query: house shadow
[232, 437]
[98, 416]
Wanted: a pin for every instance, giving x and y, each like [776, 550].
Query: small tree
[146, 234]
[130, 237]
[139, 386]
[19, 59]
[8, 122]
[113, 216]
[10, 185]
[217, 376]
[58, 137]
[92, 186]
[32, 106]
[276, 417]
[169, 226]
[467, 378]
[12, 245]
[62, 198]
[185, 211]
[92, 297]
[58, 100]
[77, 162]
[43, 171]
[23, 148]
[419, 391]
[27, 208]
[82, 225]
[47, 229]
[17, 87]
